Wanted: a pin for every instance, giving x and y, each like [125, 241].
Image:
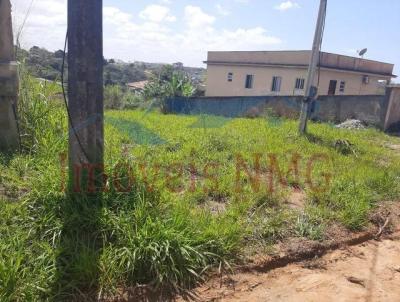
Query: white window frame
[299, 84]
[230, 76]
[342, 89]
[276, 84]
[249, 82]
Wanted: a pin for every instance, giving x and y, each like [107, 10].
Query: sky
[171, 31]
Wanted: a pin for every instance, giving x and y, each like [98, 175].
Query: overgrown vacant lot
[184, 194]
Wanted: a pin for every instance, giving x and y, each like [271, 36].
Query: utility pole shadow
[78, 254]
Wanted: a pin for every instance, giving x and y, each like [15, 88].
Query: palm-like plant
[174, 84]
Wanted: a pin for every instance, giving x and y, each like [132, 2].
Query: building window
[332, 87]
[249, 81]
[230, 77]
[342, 86]
[276, 84]
[299, 84]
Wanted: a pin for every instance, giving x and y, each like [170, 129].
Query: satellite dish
[363, 52]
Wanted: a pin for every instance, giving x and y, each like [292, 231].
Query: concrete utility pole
[8, 81]
[310, 89]
[85, 90]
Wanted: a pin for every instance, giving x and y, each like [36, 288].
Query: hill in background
[47, 65]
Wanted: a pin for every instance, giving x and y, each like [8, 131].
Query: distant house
[137, 86]
[259, 73]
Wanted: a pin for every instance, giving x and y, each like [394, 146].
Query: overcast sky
[181, 30]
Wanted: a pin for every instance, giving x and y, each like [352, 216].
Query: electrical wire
[66, 102]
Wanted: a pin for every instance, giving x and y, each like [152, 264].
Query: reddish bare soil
[366, 272]
[346, 266]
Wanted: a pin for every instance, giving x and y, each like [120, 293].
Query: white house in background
[259, 73]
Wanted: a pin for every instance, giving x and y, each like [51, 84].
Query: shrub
[168, 83]
[117, 97]
[113, 97]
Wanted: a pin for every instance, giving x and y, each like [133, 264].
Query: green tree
[168, 83]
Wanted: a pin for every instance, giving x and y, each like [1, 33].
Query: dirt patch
[11, 193]
[394, 147]
[344, 267]
[299, 249]
[297, 199]
[214, 207]
[384, 220]
[367, 272]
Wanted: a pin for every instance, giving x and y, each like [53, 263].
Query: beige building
[259, 73]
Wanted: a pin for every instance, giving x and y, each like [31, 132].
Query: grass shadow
[6, 157]
[136, 132]
[341, 146]
[315, 139]
[80, 243]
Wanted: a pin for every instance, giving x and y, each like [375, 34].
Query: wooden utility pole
[85, 91]
[310, 89]
[8, 81]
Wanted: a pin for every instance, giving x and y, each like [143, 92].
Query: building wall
[371, 109]
[354, 83]
[392, 119]
[218, 85]
[296, 57]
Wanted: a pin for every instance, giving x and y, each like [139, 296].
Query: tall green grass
[41, 116]
[58, 247]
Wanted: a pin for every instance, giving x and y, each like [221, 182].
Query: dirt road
[367, 272]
